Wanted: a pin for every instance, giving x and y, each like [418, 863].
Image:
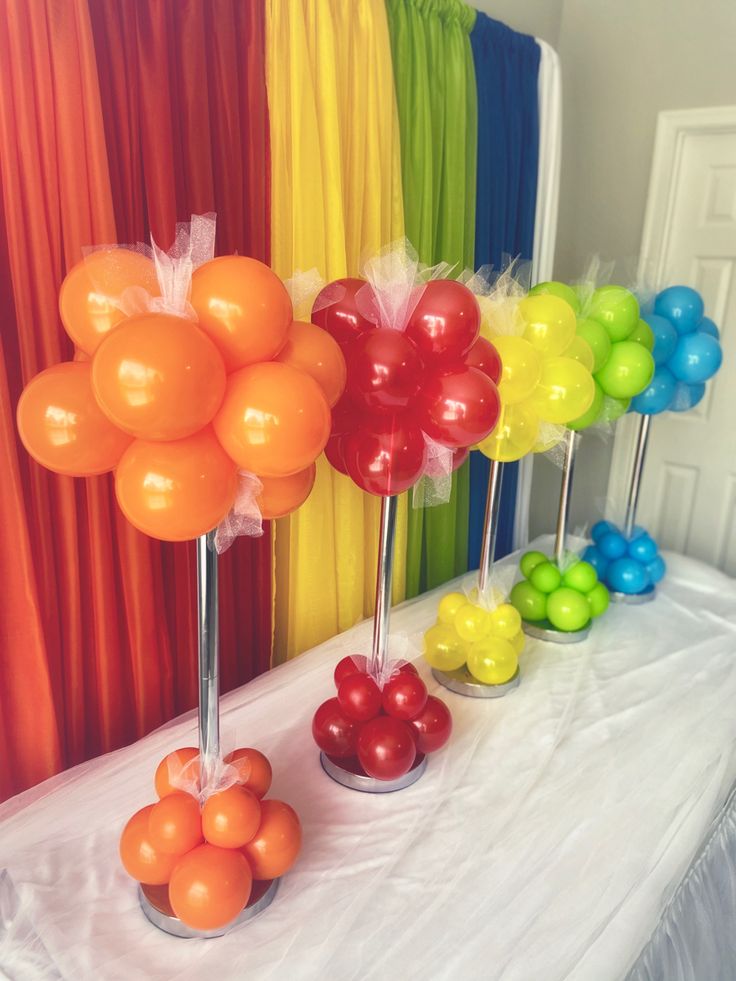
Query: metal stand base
[543, 630]
[463, 683]
[350, 774]
[635, 599]
[155, 904]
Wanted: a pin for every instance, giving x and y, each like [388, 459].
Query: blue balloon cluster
[624, 565]
[687, 352]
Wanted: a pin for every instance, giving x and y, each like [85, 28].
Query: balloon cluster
[627, 565]
[686, 349]
[567, 598]
[486, 639]
[178, 404]
[385, 727]
[210, 859]
[421, 382]
[612, 341]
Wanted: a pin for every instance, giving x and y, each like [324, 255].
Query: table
[543, 842]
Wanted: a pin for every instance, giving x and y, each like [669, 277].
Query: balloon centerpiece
[562, 596]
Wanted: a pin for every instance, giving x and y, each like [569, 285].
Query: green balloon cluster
[620, 345]
[567, 600]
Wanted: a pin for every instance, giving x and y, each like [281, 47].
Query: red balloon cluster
[435, 376]
[205, 863]
[385, 729]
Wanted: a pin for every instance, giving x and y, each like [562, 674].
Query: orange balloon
[88, 296]
[313, 350]
[210, 887]
[158, 377]
[282, 495]
[62, 426]
[176, 491]
[277, 843]
[243, 306]
[254, 770]
[274, 419]
[175, 824]
[231, 817]
[140, 858]
[177, 769]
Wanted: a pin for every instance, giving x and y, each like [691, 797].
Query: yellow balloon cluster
[546, 377]
[487, 641]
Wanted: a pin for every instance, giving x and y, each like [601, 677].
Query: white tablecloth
[542, 843]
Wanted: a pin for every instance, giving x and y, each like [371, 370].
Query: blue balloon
[593, 555]
[665, 337]
[697, 358]
[682, 306]
[686, 396]
[707, 326]
[601, 528]
[656, 569]
[613, 545]
[643, 549]
[627, 576]
[658, 394]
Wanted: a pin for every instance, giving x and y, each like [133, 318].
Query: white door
[688, 492]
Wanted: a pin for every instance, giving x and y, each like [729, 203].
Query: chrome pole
[208, 657]
[642, 437]
[563, 511]
[384, 577]
[490, 527]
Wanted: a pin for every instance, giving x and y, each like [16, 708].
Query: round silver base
[154, 902]
[634, 599]
[350, 774]
[543, 630]
[463, 683]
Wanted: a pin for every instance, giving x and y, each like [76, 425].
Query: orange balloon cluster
[177, 406]
[210, 858]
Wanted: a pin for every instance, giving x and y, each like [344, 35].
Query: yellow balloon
[550, 323]
[443, 648]
[449, 605]
[579, 350]
[517, 642]
[514, 436]
[472, 623]
[492, 661]
[565, 391]
[505, 621]
[521, 369]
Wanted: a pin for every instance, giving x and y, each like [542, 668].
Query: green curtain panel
[438, 117]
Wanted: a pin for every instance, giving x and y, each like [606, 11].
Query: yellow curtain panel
[336, 197]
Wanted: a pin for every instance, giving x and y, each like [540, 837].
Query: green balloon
[581, 576]
[552, 288]
[545, 577]
[597, 337]
[617, 309]
[643, 334]
[567, 609]
[613, 409]
[628, 370]
[529, 561]
[591, 416]
[598, 599]
[531, 604]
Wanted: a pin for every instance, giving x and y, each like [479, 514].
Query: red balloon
[458, 408]
[384, 370]
[359, 697]
[445, 321]
[335, 309]
[432, 727]
[485, 358]
[407, 666]
[335, 453]
[387, 460]
[333, 731]
[352, 664]
[386, 748]
[404, 696]
[345, 417]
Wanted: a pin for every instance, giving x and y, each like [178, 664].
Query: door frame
[674, 128]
